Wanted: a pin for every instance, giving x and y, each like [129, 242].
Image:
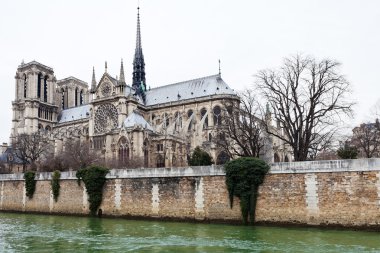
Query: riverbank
[343, 194]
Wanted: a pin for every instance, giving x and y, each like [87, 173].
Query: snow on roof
[75, 113]
[201, 87]
[136, 119]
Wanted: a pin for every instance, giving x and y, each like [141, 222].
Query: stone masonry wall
[344, 193]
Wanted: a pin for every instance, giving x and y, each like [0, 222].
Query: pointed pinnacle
[93, 82]
[122, 77]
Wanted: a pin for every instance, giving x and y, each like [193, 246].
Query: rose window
[105, 118]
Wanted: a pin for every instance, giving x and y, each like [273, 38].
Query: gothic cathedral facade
[159, 126]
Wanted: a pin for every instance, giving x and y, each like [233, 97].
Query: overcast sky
[184, 39]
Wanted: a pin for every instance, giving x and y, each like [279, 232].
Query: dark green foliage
[94, 178]
[243, 177]
[348, 152]
[30, 183]
[56, 175]
[200, 157]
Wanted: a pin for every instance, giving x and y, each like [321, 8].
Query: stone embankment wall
[343, 193]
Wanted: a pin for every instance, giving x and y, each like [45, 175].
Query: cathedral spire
[93, 82]
[122, 78]
[138, 79]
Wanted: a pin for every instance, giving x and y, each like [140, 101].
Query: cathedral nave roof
[196, 88]
[75, 113]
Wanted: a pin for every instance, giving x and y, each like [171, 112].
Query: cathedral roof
[75, 113]
[9, 155]
[196, 88]
[136, 119]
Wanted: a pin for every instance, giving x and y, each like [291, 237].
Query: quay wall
[325, 193]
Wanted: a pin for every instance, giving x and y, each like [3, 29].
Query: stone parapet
[363, 165]
[356, 165]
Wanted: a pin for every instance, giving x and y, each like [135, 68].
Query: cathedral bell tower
[138, 79]
[34, 105]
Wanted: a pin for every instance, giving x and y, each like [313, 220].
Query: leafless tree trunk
[241, 131]
[309, 100]
[366, 139]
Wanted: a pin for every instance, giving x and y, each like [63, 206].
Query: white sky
[184, 39]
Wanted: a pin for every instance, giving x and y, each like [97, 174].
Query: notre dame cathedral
[122, 121]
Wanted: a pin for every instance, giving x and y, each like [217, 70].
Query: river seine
[42, 233]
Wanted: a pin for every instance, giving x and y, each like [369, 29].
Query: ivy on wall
[30, 183]
[55, 184]
[243, 177]
[94, 178]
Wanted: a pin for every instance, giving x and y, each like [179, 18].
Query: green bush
[94, 178]
[200, 157]
[348, 152]
[243, 177]
[30, 183]
[56, 175]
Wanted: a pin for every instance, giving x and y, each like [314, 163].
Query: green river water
[41, 233]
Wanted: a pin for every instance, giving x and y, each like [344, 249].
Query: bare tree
[31, 147]
[309, 98]
[77, 154]
[241, 131]
[366, 138]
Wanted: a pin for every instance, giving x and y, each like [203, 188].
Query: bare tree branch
[309, 99]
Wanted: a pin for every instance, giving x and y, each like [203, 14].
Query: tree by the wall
[309, 99]
[200, 157]
[347, 152]
[243, 178]
[31, 147]
[241, 132]
[366, 138]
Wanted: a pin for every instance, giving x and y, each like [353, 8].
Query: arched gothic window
[286, 159]
[25, 85]
[178, 121]
[174, 161]
[276, 158]
[76, 96]
[81, 98]
[160, 161]
[63, 99]
[166, 120]
[189, 114]
[45, 89]
[146, 153]
[217, 116]
[203, 113]
[123, 151]
[39, 77]
[222, 158]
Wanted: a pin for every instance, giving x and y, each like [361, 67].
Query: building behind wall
[160, 126]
